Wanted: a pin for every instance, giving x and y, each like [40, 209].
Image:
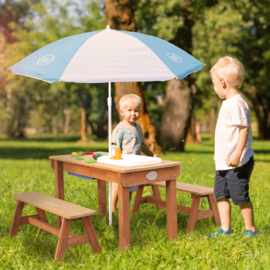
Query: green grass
[24, 166]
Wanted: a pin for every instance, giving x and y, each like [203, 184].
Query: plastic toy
[118, 155]
[80, 153]
[90, 161]
[89, 153]
[79, 158]
[97, 156]
[74, 154]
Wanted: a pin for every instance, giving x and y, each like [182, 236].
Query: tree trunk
[67, 113]
[120, 16]
[191, 135]
[83, 126]
[54, 125]
[83, 117]
[176, 115]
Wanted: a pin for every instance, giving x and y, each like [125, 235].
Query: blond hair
[130, 98]
[230, 69]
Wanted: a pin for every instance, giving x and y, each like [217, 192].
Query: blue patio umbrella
[108, 56]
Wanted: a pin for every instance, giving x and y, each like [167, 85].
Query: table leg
[59, 184]
[124, 217]
[102, 197]
[171, 205]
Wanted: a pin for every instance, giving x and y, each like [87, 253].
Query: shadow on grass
[44, 153]
[43, 139]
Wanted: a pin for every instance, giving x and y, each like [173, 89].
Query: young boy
[233, 153]
[130, 108]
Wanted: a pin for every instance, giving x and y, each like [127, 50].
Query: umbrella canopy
[108, 56]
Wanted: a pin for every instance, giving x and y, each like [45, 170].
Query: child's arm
[147, 151]
[234, 159]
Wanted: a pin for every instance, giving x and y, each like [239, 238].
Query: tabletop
[115, 168]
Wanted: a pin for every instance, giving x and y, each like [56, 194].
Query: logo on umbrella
[175, 57]
[45, 60]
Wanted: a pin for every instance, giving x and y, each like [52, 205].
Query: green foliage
[43, 22]
[25, 166]
[240, 29]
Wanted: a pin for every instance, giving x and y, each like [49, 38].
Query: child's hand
[233, 161]
[155, 155]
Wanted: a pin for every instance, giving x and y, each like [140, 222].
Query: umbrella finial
[108, 27]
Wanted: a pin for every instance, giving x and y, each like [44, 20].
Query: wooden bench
[66, 210]
[197, 192]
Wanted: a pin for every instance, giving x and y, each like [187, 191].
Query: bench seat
[197, 192]
[66, 210]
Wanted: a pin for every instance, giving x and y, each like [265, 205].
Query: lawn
[24, 167]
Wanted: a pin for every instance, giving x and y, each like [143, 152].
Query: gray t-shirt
[132, 146]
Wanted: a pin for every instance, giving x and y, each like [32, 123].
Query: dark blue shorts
[234, 183]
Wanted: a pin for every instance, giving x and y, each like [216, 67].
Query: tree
[173, 21]
[46, 22]
[241, 29]
[120, 16]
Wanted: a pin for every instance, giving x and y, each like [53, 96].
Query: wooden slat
[56, 206]
[139, 178]
[189, 188]
[25, 220]
[44, 226]
[94, 172]
[153, 200]
[77, 240]
[204, 214]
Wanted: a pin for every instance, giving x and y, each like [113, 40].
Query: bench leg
[157, 196]
[137, 200]
[42, 216]
[89, 228]
[193, 213]
[62, 240]
[16, 219]
[213, 207]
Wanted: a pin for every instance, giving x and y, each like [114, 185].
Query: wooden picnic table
[167, 171]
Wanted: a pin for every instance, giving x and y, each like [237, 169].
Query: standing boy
[130, 108]
[233, 153]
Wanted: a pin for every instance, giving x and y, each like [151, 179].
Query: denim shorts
[234, 183]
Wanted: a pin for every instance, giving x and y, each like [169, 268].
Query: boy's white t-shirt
[233, 112]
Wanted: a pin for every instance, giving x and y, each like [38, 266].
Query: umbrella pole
[110, 154]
